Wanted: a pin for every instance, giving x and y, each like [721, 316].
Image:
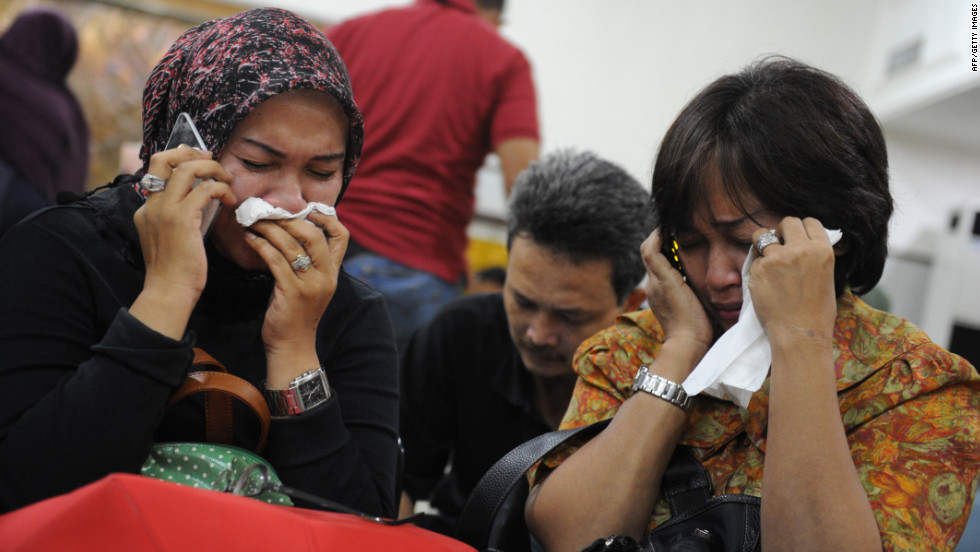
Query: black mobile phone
[184, 132]
[671, 250]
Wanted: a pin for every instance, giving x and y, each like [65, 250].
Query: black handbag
[493, 518]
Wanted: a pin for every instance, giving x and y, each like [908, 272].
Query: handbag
[215, 464]
[126, 512]
[699, 521]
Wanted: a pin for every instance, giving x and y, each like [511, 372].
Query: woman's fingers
[792, 282]
[656, 263]
[815, 230]
[675, 303]
[337, 237]
[180, 180]
[301, 296]
[278, 248]
[164, 162]
[287, 240]
[650, 249]
[793, 231]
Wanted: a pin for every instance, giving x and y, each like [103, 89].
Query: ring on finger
[152, 183]
[765, 241]
[301, 263]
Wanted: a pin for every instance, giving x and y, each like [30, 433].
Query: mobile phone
[184, 132]
[671, 250]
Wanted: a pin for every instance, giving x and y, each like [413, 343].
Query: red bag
[133, 513]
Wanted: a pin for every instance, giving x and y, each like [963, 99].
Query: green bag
[207, 466]
[216, 464]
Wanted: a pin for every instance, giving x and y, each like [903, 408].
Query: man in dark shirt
[491, 371]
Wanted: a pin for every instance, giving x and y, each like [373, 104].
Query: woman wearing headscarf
[44, 139]
[103, 299]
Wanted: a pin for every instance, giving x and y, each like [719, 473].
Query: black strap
[685, 485]
[475, 522]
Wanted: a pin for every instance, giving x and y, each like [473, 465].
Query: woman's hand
[169, 226]
[300, 297]
[792, 282]
[792, 287]
[673, 301]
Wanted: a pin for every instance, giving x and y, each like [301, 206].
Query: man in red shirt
[440, 89]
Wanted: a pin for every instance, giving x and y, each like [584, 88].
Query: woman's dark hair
[798, 140]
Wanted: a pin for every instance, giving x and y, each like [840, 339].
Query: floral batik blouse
[911, 411]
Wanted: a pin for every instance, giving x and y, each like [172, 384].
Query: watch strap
[307, 391]
[660, 387]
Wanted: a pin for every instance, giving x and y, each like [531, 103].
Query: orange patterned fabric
[911, 411]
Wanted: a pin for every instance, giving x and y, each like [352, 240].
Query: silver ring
[152, 183]
[765, 241]
[301, 263]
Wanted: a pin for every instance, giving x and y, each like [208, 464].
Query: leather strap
[220, 389]
[202, 358]
[218, 418]
[476, 520]
[686, 484]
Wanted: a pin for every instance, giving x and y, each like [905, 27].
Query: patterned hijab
[221, 70]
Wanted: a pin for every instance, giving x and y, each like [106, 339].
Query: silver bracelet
[660, 387]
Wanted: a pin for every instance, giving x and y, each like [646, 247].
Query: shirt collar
[466, 6]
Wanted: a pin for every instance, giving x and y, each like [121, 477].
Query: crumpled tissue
[737, 364]
[255, 209]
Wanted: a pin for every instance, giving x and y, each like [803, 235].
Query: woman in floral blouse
[866, 434]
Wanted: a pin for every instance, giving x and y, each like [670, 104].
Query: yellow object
[483, 254]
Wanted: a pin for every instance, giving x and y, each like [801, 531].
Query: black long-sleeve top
[465, 395]
[84, 385]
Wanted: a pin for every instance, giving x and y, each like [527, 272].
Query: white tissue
[737, 364]
[255, 209]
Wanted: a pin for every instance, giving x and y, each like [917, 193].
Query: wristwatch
[305, 392]
[660, 387]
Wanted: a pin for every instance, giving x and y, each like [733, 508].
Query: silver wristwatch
[305, 392]
[660, 387]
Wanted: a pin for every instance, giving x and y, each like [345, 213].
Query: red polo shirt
[439, 89]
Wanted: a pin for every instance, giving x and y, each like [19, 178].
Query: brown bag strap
[218, 418]
[220, 389]
[202, 358]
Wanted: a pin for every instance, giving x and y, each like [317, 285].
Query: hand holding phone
[184, 132]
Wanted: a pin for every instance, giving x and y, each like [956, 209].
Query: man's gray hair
[497, 5]
[585, 208]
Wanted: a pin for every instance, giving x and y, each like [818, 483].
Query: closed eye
[254, 165]
[524, 303]
[741, 238]
[689, 243]
[574, 318]
[324, 175]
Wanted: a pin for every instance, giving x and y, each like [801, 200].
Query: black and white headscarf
[221, 70]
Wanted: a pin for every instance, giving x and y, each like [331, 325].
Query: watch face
[313, 392]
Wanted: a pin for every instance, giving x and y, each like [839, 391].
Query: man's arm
[515, 155]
